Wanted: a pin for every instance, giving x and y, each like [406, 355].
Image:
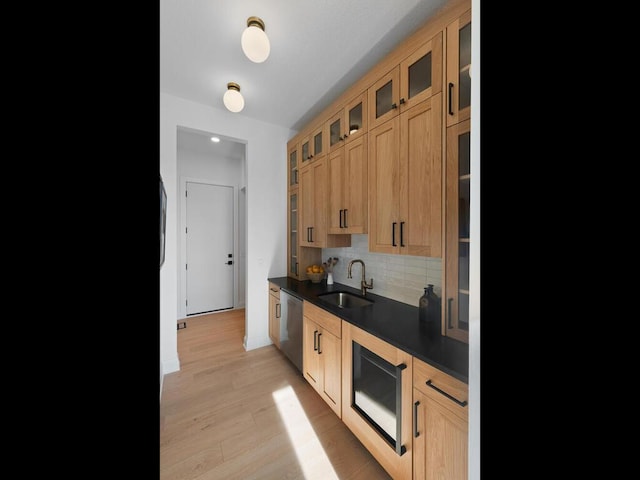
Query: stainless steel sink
[345, 299]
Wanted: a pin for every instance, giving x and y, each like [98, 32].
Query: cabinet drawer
[274, 290]
[441, 387]
[326, 320]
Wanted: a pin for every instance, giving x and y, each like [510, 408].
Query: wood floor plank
[235, 414]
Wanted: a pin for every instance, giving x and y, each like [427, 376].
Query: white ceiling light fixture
[255, 43]
[233, 98]
[215, 139]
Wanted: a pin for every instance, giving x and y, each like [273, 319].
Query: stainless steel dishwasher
[291, 328]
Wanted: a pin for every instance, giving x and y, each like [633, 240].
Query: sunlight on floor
[311, 456]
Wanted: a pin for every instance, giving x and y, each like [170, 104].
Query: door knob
[230, 262]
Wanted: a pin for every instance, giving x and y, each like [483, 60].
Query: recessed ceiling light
[215, 139]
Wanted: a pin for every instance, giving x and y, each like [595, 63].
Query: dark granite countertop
[392, 321]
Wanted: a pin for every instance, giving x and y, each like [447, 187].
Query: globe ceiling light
[255, 43]
[233, 98]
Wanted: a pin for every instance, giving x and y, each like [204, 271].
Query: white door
[209, 234]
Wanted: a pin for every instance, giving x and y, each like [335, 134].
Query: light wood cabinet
[315, 145]
[313, 187]
[349, 123]
[275, 312]
[440, 424]
[298, 258]
[321, 354]
[348, 188]
[457, 216]
[459, 69]
[314, 190]
[293, 164]
[398, 466]
[405, 182]
[415, 79]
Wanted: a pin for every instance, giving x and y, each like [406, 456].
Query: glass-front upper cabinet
[293, 165]
[458, 206]
[417, 78]
[459, 69]
[305, 150]
[315, 146]
[384, 96]
[349, 123]
[293, 235]
[421, 73]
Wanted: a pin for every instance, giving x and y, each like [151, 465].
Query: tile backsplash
[400, 277]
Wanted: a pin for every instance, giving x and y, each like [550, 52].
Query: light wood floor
[232, 414]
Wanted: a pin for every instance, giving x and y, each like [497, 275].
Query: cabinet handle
[297, 269]
[450, 98]
[295, 176]
[462, 404]
[345, 218]
[341, 218]
[278, 310]
[393, 105]
[311, 229]
[315, 340]
[416, 433]
[319, 351]
[449, 301]
[346, 135]
[402, 234]
[308, 234]
[402, 101]
[393, 234]
[274, 289]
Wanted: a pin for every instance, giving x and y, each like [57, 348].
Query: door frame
[182, 240]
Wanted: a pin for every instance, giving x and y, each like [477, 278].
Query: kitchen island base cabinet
[399, 466]
[321, 351]
[440, 425]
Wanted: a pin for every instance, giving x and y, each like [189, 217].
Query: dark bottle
[429, 311]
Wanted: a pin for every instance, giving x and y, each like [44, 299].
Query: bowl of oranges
[315, 273]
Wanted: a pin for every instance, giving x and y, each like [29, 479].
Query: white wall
[266, 197]
[216, 170]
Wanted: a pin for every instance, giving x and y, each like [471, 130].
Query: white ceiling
[318, 49]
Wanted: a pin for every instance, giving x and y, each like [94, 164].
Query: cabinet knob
[402, 101]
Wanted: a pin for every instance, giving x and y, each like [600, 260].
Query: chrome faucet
[363, 283]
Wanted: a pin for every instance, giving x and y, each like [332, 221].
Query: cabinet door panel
[383, 187]
[383, 98]
[337, 184]
[355, 218]
[457, 207]
[320, 189]
[310, 358]
[459, 69]
[440, 447]
[307, 212]
[446, 437]
[421, 167]
[293, 166]
[356, 121]
[274, 320]
[421, 73]
[330, 351]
